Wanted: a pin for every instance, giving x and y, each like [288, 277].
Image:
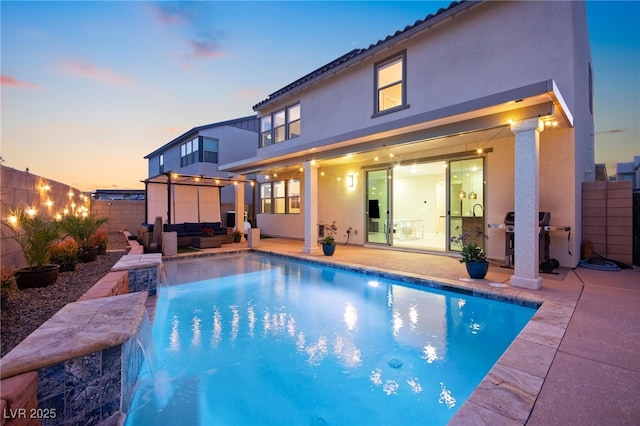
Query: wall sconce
[350, 181]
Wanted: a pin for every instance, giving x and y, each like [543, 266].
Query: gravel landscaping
[29, 308]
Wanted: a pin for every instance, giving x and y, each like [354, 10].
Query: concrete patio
[588, 331]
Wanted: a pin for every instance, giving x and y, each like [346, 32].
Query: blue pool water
[260, 340]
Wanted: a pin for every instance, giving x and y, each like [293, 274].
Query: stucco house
[480, 109]
[184, 180]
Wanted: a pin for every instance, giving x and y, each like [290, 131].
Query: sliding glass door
[466, 200]
[420, 206]
[377, 210]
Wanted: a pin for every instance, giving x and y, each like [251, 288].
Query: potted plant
[207, 232]
[473, 255]
[34, 233]
[81, 228]
[237, 236]
[329, 241]
[7, 280]
[100, 238]
[65, 253]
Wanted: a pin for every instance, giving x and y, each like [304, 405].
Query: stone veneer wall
[607, 218]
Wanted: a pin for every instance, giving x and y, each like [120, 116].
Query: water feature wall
[81, 365]
[144, 270]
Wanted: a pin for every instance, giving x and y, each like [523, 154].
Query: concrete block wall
[607, 218]
[122, 214]
[21, 189]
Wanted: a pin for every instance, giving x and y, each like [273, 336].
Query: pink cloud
[86, 70]
[6, 80]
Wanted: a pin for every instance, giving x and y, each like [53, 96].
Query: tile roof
[428, 20]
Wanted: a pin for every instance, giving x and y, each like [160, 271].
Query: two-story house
[184, 182]
[480, 109]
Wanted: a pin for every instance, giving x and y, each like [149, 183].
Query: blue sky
[89, 88]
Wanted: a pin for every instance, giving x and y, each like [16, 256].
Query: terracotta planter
[477, 269]
[34, 278]
[88, 254]
[328, 249]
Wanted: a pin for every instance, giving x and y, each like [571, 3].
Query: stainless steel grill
[544, 219]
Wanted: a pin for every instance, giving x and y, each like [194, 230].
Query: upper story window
[390, 82]
[210, 150]
[161, 163]
[280, 125]
[189, 152]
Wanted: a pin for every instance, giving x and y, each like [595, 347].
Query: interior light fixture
[462, 195]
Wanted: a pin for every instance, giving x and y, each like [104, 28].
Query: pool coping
[508, 392]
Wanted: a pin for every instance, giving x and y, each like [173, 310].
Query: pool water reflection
[250, 339]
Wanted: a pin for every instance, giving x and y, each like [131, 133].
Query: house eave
[541, 99]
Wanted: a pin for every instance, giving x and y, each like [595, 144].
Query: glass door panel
[419, 206]
[466, 200]
[377, 207]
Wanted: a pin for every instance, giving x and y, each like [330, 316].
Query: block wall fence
[20, 188]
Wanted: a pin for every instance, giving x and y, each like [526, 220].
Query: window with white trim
[161, 163]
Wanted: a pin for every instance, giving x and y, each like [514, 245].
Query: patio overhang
[452, 125]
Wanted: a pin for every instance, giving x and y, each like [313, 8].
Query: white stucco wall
[492, 48]
[495, 47]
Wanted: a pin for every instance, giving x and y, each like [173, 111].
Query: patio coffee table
[207, 242]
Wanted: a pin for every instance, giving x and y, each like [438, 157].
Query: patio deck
[577, 363]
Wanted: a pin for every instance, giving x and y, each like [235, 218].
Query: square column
[240, 204]
[310, 207]
[526, 229]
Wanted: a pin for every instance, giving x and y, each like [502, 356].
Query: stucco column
[310, 207]
[526, 244]
[240, 203]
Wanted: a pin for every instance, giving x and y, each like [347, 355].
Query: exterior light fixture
[350, 181]
[479, 151]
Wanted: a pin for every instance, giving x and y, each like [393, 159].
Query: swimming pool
[251, 339]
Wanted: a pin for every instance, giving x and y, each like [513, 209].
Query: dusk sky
[89, 88]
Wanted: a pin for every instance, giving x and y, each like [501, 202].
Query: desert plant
[35, 234]
[81, 228]
[99, 238]
[65, 251]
